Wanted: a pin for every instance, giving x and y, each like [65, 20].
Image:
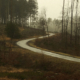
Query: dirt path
[23, 44]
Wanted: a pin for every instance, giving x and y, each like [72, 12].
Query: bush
[28, 32]
[12, 31]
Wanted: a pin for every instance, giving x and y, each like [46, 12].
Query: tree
[3, 11]
[76, 30]
[63, 18]
[72, 8]
[67, 22]
[17, 10]
[42, 20]
[49, 20]
[12, 30]
[32, 7]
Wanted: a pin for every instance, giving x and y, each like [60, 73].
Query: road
[23, 44]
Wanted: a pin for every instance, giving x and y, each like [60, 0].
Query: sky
[53, 7]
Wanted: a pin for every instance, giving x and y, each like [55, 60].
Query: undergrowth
[55, 43]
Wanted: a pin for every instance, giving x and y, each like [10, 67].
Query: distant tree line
[17, 11]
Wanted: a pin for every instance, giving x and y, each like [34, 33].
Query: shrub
[12, 31]
[28, 32]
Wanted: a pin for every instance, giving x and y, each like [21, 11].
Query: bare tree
[44, 15]
[67, 21]
[63, 18]
[76, 32]
[72, 8]
[42, 19]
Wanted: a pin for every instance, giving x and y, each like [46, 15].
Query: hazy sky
[53, 7]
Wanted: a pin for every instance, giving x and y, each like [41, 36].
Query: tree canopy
[17, 10]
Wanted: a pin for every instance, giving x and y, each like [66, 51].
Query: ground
[56, 44]
[21, 64]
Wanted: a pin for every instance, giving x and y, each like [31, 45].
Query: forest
[36, 47]
[67, 39]
[17, 11]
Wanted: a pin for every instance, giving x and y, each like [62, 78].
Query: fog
[53, 7]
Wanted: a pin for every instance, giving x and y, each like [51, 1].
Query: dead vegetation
[55, 43]
[22, 64]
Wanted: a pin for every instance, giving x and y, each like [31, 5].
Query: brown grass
[8, 79]
[50, 68]
[55, 43]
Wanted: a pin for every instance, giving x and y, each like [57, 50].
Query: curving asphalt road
[23, 44]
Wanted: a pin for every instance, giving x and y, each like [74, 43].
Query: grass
[54, 43]
[39, 66]
[24, 64]
[22, 58]
[27, 32]
[24, 75]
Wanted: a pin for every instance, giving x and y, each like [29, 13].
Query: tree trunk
[76, 23]
[72, 7]
[63, 18]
